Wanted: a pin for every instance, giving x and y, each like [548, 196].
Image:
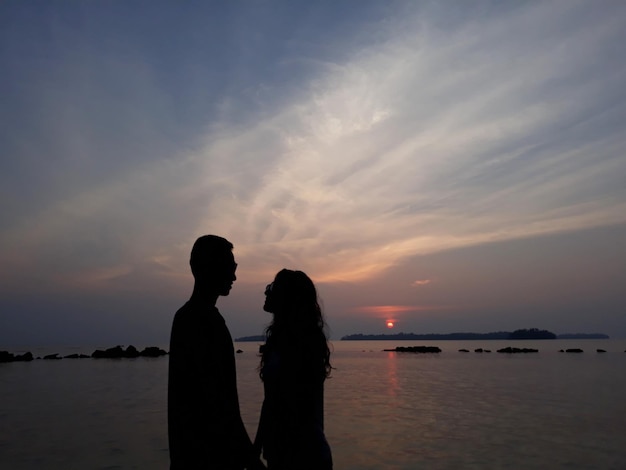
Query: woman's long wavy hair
[298, 328]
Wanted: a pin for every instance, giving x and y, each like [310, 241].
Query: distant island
[583, 336]
[254, 338]
[531, 333]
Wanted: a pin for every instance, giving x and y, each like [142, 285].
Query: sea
[383, 409]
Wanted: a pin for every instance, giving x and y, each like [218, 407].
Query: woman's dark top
[291, 428]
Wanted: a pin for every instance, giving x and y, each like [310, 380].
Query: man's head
[213, 264]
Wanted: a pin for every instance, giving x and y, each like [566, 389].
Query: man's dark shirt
[204, 420]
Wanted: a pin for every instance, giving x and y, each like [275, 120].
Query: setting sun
[389, 324]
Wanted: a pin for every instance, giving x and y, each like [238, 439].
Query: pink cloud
[390, 309]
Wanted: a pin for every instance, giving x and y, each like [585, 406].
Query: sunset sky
[448, 166]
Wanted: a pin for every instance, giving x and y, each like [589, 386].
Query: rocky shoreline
[116, 352]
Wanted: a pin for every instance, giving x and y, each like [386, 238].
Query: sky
[445, 165]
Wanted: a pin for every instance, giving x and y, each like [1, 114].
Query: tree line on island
[528, 333]
[507, 350]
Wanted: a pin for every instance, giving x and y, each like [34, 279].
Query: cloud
[421, 282]
[450, 130]
[430, 141]
[386, 310]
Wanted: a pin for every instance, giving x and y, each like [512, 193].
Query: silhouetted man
[204, 421]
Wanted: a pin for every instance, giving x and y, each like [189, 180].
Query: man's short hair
[208, 250]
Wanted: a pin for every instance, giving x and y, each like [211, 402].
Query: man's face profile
[226, 275]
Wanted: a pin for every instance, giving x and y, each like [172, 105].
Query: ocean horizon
[64, 349]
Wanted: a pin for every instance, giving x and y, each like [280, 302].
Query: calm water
[384, 410]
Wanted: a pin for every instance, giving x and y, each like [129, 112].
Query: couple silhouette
[204, 421]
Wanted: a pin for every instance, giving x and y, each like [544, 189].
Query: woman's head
[291, 292]
[297, 321]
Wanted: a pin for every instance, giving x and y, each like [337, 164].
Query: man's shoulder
[186, 309]
[196, 314]
[183, 313]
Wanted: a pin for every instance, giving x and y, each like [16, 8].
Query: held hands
[256, 464]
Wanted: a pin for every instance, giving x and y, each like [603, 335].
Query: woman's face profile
[270, 295]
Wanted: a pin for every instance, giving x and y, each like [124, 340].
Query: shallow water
[384, 410]
[470, 410]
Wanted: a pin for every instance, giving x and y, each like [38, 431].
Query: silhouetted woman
[295, 362]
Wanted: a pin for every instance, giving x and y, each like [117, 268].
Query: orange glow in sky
[390, 309]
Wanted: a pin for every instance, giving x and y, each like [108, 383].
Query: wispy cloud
[446, 132]
[431, 141]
